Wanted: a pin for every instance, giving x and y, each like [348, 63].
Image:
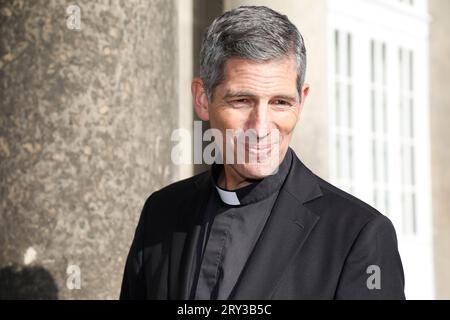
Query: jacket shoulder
[341, 197]
[181, 186]
[174, 194]
[344, 209]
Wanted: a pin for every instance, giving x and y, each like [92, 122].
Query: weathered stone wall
[85, 120]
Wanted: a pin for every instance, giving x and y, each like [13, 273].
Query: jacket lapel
[287, 229]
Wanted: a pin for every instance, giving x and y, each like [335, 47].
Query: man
[259, 229]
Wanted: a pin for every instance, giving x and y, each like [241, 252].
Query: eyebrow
[235, 94]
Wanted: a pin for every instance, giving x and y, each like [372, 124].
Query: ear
[305, 92]
[201, 104]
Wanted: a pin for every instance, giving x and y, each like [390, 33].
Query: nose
[259, 120]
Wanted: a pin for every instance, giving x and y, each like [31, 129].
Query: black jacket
[319, 243]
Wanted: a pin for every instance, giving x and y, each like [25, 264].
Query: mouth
[263, 150]
[259, 147]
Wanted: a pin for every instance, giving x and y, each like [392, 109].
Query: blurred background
[91, 91]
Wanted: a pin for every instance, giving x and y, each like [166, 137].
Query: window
[407, 2]
[379, 126]
[343, 110]
[407, 143]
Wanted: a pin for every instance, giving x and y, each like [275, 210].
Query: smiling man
[266, 227]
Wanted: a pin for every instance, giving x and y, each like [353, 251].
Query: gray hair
[250, 32]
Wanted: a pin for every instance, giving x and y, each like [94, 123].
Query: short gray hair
[250, 32]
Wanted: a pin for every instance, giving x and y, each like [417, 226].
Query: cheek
[286, 121]
[228, 118]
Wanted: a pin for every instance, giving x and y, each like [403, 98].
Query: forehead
[278, 76]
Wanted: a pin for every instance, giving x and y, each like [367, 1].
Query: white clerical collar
[228, 197]
[256, 191]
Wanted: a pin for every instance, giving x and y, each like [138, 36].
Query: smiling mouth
[261, 147]
[258, 147]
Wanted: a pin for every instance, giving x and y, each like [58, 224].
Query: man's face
[259, 98]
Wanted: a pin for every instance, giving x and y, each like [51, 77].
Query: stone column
[440, 131]
[85, 122]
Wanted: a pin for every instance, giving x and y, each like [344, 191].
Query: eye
[281, 103]
[240, 102]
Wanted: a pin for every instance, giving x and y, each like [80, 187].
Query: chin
[260, 166]
[258, 171]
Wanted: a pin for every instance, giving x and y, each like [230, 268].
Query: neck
[230, 179]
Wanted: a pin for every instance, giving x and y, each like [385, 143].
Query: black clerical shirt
[232, 224]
